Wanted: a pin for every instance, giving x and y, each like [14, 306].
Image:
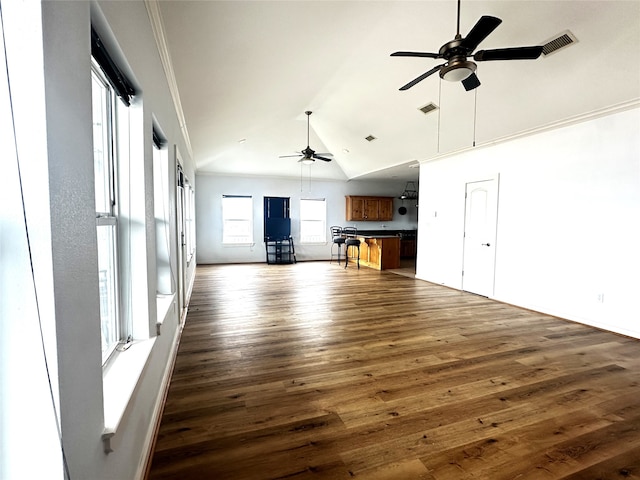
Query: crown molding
[157, 25]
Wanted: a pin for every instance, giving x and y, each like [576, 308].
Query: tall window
[103, 103]
[237, 219]
[111, 94]
[313, 220]
[164, 276]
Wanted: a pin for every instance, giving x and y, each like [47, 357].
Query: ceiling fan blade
[326, 154]
[471, 82]
[421, 77]
[322, 158]
[480, 31]
[289, 156]
[516, 53]
[416, 54]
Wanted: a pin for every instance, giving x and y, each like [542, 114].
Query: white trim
[157, 26]
[158, 409]
[621, 107]
[165, 304]
[119, 384]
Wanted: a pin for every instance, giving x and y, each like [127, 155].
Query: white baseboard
[156, 417]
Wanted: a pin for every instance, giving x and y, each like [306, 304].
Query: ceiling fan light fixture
[457, 71]
[306, 161]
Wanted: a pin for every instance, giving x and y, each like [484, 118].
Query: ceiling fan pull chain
[475, 115]
[439, 110]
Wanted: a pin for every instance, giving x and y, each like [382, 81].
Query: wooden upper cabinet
[372, 209]
[385, 209]
[355, 209]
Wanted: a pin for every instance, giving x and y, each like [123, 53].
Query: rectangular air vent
[429, 107]
[369, 138]
[560, 41]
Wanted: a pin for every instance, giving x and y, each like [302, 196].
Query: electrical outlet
[601, 298]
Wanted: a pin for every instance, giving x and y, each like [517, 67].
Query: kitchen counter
[412, 233]
[408, 239]
[377, 236]
[380, 252]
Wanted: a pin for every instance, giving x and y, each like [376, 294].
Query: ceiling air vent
[560, 41]
[369, 138]
[429, 107]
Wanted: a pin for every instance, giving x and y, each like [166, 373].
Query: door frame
[180, 241]
[496, 178]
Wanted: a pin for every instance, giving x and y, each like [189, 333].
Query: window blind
[158, 141]
[118, 80]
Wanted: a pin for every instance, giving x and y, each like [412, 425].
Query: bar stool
[351, 240]
[337, 239]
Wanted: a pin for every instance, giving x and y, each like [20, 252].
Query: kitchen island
[380, 252]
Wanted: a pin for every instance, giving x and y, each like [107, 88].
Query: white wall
[55, 143]
[568, 220]
[209, 193]
[28, 404]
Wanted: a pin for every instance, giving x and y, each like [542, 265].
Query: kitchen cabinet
[408, 248]
[368, 209]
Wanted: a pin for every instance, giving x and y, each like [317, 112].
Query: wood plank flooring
[311, 371]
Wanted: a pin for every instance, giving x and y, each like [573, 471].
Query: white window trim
[250, 243]
[110, 218]
[324, 220]
[119, 381]
[121, 377]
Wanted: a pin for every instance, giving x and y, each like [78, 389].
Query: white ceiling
[247, 70]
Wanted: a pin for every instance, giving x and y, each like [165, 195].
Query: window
[103, 102]
[313, 220]
[164, 277]
[111, 95]
[237, 219]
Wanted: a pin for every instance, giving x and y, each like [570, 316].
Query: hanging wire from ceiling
[304, 166]
[475, 114]
[439, 110]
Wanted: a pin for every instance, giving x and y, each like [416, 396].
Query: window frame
[190, 223]
[317, 239]
[106, 212]
[248, 238]
[165, 279]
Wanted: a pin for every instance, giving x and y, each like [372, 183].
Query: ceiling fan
[308, 156]
[457, 68]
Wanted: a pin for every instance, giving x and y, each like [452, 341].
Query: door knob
[486, 244]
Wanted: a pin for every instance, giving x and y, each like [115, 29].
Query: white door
[480, 222]
[182, 267]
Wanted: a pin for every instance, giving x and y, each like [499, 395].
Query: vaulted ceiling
[246, 71]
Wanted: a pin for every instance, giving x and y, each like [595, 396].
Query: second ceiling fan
[309, 155]
[457, 68]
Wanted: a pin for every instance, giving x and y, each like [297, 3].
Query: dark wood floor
[313, 371]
